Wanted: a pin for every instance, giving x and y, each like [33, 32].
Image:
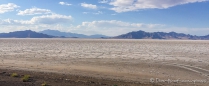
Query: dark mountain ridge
[131, 35]
[69, 34]
[24, 34]
[159, 35]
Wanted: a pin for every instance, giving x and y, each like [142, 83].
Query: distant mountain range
[68, 34]
[24, 34]
[131, 35]
[46, 34]
[159, 35]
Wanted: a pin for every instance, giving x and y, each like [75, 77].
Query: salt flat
[126, 59]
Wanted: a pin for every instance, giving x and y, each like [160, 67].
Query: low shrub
[44, 84]
[14, 75]
[25, 78]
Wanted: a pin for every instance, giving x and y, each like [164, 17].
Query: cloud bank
[8, 7]
[64, 3]
[45, 19]
[34, 11]
[106, 27]
[135, 5]
[90, 6]
[111, 27]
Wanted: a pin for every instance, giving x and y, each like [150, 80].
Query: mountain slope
[58, 33]
[24, 34]
[160, 35]
[68, 34]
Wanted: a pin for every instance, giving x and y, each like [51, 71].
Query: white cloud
[64, 3]
[103, 1]
[106, 27]
[38, 23]
[8, 21]
[51, 19]
[115, 23]
[90, 6]
[111, 28]
[13, 22]
[45, 19]
[39, 27]
[135, 5]
[8, 7]
[95, 13]
[114, 28]
[34, 11]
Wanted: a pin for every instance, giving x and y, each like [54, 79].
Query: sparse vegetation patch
[25, 78]
[14, 75]
[44, 84]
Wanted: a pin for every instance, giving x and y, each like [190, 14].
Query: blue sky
[108, 17]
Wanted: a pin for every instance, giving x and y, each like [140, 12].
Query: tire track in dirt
[199, 70]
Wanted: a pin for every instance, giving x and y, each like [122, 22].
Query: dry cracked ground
[108, 62]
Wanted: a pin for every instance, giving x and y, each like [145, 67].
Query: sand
[165, 62]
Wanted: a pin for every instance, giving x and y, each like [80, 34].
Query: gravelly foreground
[131, 60]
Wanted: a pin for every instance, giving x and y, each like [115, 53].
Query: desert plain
[151, 62]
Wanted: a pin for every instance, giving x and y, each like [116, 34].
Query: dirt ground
[56, 79]
[105, 62]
